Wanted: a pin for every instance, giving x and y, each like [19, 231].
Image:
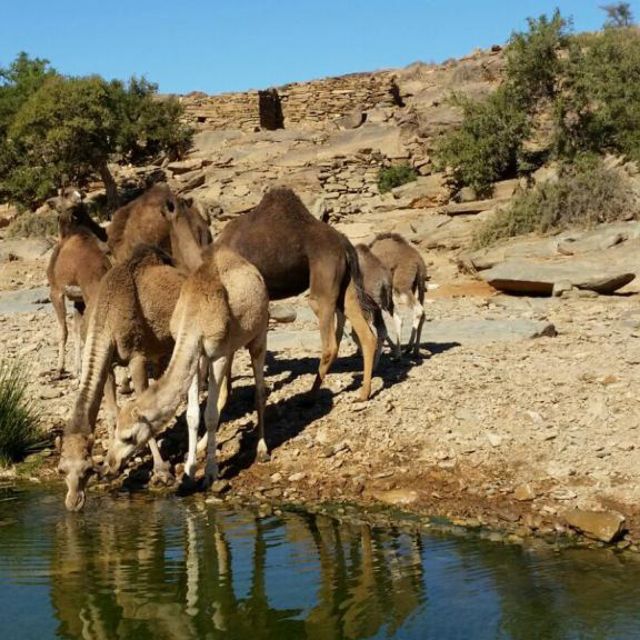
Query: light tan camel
[408, 274]
[293, 251]
[129, 323]
[76, 267]
[144, 221]
[223, 306]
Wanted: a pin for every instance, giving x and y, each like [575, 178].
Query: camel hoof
[162, 477]
[262, 457]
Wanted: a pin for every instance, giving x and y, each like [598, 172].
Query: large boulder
[539, 278]
[599, 525]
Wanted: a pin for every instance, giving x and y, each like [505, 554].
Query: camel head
[76, 465]
[73, 214]
[133, 431]
[188, 231]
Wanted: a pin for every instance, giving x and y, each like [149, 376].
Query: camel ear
[169, 209]
[188, 202]
[135, 413]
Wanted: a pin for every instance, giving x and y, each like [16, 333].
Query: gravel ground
[508, 433]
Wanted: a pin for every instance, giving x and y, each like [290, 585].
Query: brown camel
[129, 324]
[377, 284]
[76, 267]
[408, 273]
[223, 306]
[145, 221]
[293, 251]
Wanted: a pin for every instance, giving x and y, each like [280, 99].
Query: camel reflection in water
[141, 572]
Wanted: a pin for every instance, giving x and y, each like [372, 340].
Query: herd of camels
[154, 292]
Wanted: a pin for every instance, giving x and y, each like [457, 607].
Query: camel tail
[367, 303]
[419, 282]
[96, 362]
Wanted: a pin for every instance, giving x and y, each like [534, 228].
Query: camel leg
[325, 310]
[78, 343]
[258, 352]
[416, 328]
[193, 422]
[340, 320]
[217, 371]
[223, 395]
[397, 321]
[161, 469]
[366, 334]
[111, 404]
[57, 301]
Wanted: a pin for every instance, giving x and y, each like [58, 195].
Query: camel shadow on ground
[286, 418]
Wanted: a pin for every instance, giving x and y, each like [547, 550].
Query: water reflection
[173, 569]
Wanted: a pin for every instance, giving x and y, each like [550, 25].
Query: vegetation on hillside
[56, 129]
[19, 421]
[395, 176]
[562, 95]
[585, 194]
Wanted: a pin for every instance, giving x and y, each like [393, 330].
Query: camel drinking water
[129, 323]
[223, 306]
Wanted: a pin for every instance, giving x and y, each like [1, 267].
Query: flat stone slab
[467, 331]
[521, 276]
[24, 300]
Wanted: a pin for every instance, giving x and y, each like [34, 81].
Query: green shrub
[29, 224]
[395, 176]
[20, 432]
[584, 195]
[488, 144]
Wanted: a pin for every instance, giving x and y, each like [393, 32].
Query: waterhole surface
[171, 568]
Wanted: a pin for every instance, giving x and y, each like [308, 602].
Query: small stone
[276, 477]
[494, 439]
[296, 477]
[524, 492]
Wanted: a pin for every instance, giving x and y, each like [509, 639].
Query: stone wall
[304, 104]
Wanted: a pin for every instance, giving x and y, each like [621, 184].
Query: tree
[619, 15]
[64, 128]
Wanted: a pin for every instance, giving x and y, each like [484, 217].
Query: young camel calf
[408, 273]
[77, 262]
[377, 284]
[129, 323]
[223, 306]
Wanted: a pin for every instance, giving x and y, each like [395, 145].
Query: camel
[144, 221]
[129, 323]
[377, 284]
[293, 251]
[223, 306]
[408, 273]
[76, 267]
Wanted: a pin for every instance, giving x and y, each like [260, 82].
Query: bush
[488, 144]
[19, 420]
[395, 176]
[585, 194]
[29, 224]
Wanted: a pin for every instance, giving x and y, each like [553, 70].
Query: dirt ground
[508, 434]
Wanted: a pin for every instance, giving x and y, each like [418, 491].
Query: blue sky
[231, 45]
